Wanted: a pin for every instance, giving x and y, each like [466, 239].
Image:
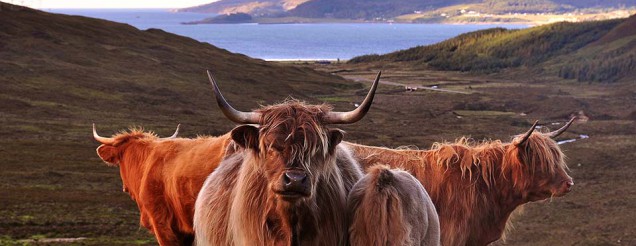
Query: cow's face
[544, 168]
[293, 155]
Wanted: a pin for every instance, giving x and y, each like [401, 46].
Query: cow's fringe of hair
[297, 118]
[484, 159]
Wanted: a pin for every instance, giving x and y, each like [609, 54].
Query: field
[54, 186]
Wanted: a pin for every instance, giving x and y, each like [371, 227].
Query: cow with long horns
[163, 176]
[287, 184]
[476, 187]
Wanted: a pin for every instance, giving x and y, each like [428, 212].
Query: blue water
[289, 41]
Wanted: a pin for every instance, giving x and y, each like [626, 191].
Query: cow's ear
[335, 137]
[109, 154]
[246, 136]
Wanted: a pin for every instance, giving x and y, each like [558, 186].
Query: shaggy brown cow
[391, 207]
[476, 187]
[287, 185]
[164, 176]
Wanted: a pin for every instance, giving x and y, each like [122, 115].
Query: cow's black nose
[295, 179]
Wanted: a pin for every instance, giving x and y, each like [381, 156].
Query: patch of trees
[606, 68]
[494, 49]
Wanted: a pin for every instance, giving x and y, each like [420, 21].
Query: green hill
[60, 73]
[609, 58]
[571, 50]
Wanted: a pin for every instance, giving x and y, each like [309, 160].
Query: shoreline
[306, 60]
[274, 21]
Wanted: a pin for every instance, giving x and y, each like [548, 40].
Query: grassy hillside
[609, 58]
[494, 49]
[103, 67]
[59, 74]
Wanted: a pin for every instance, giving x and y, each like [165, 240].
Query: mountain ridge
[361, 9]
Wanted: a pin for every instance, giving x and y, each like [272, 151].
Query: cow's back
[391, 207]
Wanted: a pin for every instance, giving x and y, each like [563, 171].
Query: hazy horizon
[114, 4]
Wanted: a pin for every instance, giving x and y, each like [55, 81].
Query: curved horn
[528, 133]
[356, 114]
[174, 135]
[562, 129]
[229, 111]
[100, 139]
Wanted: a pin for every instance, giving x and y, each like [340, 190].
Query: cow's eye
[278, 147]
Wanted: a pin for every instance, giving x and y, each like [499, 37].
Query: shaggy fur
[476, 187]
[391, 207]
[164, 177]
[237, 204]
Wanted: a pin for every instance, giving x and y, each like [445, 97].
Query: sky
[47, 4]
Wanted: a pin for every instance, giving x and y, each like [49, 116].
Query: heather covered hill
[571, 50]
[96, 68]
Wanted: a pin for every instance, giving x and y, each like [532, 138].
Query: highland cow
[476, 187]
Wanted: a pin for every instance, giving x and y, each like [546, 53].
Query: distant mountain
[224, 19]
[587, 51]
[370, 9]
[364, 9]
[253, 7]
